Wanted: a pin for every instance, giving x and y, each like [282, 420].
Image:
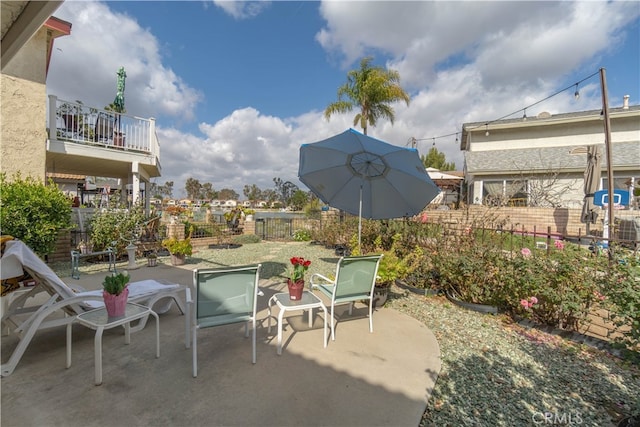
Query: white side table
[99, 320]
[308, 301]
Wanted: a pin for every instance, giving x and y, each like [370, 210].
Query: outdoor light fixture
[487, 128]
[434, 142]
[576, 93]
[524, 116]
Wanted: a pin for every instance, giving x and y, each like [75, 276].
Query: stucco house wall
[23, 110]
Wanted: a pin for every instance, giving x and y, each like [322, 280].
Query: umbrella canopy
[591, 184]
[119, 101]
[366, 177]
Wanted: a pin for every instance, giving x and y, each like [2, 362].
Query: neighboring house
[449, 183]
[540, 161]
[42, 134]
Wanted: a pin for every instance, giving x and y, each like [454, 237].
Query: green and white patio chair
[224, 296]
[355, 280]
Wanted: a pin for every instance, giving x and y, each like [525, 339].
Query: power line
[524, 110]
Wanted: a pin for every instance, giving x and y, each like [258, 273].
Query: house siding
[550, 149]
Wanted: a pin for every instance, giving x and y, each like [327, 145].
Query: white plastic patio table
[308, 301]
[99, 320]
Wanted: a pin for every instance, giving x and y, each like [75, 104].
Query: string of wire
[510, 114]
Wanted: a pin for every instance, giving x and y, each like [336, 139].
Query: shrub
[566, 281]
[621, 295]
[33, 212]
[116, 228]
[178, 246]
[302, 235]
[246, 239]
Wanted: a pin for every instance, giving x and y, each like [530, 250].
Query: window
[505, 193]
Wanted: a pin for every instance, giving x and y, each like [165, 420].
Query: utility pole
[607, 144]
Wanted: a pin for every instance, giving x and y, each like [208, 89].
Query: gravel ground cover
[494, 372]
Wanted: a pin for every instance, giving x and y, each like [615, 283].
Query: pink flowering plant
[299, 267]
[559, 283]
[621, 296]
[565, 280]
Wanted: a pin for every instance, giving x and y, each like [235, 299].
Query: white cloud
[242, 9]
[84, 64]
[461, 62]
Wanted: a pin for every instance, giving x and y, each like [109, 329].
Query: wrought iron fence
[280, 228]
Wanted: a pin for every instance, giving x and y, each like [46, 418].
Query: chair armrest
[318, 276]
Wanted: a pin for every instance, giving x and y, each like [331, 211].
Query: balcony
[90, 141]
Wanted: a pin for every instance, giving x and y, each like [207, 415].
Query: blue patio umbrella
[366, 177]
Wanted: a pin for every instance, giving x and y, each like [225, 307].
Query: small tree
[299, 199]
[437, 159]
[116, 228]
[33, 212]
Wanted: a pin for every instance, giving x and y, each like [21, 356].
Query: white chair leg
[350, 308]
[187, 323]
[254, 341]
[333, 333]
[195, 353]
[371, 316]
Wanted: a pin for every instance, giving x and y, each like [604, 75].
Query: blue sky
[236, 87]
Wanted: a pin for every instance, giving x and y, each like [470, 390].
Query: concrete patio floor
[360, 379]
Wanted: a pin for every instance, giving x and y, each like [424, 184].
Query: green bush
[566, 280]
[245, 239]
[621, 295]
[302, 235]
[33, 212]
[116, 228]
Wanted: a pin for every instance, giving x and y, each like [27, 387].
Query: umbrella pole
[360, 222]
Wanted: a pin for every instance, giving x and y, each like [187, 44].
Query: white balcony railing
[77, 123]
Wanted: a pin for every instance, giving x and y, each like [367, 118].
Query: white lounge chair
[66, 301]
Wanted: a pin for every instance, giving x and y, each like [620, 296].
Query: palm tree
[371, 89]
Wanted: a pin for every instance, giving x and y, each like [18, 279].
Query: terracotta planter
[295, 289]
[115, 304]
[177, 259]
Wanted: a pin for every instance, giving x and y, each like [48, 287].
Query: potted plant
[115, 293]
[390, 269]
[178, 248]
[295, 281]
[249, 213]
[152, 260]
